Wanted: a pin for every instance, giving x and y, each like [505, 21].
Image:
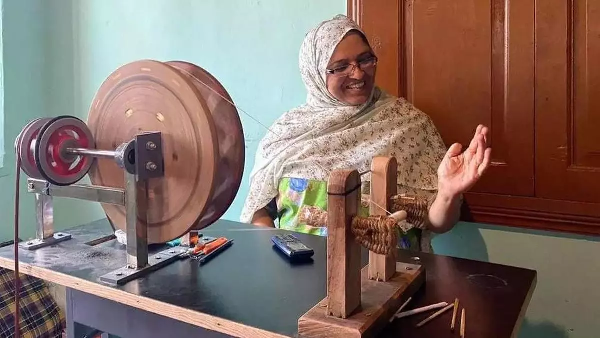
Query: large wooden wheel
[203, 142]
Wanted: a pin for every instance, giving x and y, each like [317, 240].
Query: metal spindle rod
[92, 152]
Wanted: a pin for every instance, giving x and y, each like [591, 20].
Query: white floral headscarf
[325, 134]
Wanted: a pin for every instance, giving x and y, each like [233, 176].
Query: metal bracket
[148, 164]
[155, 262]
[44, 242]
[149, 161]
[45, 235]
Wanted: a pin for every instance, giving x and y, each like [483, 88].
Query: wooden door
[568, 100]
[463, 63]
[530, 70]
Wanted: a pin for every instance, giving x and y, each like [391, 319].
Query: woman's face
[351, 70]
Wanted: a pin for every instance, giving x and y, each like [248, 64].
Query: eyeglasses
[345, 70]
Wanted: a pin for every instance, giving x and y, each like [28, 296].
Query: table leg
[69, 316]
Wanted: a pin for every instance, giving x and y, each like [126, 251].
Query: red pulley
[25, 145]
[52, 157]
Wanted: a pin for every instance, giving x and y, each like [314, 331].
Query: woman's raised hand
[458, 171]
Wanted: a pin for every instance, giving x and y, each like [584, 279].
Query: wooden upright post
[357, 306]
[383, 187]
[343, 252]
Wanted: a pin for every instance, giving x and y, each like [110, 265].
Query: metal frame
[138, 262]
[148, 164]
[45, 235]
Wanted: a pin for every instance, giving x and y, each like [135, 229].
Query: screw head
[119, 274]
[150, 145]
[409, 268]
[151, 166]
[157, 257]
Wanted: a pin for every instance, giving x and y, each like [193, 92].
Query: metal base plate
[40, 243]
[155, 262]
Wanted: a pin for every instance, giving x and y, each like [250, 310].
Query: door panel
[568, 100]
[464, 63]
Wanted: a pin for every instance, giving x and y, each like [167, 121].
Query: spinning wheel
[230, 140]
[203, 146]
[201, 141]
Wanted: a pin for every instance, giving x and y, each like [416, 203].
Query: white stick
[426, 320]
[421, 309]
[400, 309]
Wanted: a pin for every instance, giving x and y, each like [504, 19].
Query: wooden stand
[359, 303]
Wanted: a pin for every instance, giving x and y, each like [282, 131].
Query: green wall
[56, 54]
[23, 27]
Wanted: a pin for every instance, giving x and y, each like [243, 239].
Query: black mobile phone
[292, 247]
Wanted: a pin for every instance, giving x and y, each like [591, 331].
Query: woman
[345, 122]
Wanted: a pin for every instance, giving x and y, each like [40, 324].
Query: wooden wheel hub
[202, 143]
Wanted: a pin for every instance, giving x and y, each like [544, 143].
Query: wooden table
[251, 290]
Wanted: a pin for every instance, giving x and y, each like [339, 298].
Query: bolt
[119, 274]
[172, 251]
[29, 243]
[150, 145]
[409, 268]
[30, 186]
[157, 257]
[151, 166]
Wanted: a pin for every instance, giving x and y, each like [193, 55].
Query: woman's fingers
[484, 131]
[486, 161]
[480, 149]
[473, 145]
[454, 150]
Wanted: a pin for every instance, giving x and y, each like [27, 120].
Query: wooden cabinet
[530, 70]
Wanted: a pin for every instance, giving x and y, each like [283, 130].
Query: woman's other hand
[262, 218]
[458, 171]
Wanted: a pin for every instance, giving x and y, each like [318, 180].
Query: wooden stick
[383, 186]
[421, 309]
[462, 323]
[454, 314]
[426, 320]
[400, 309]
